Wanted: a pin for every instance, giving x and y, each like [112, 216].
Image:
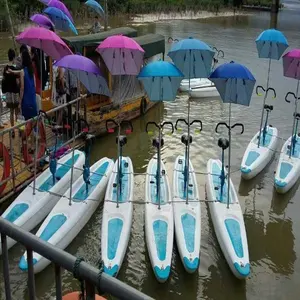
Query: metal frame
[92, 276]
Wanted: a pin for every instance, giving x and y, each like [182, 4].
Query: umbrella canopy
[122, 55]
[95, 6]
[86, 72]
[42, 21]
[234, 82]
[271, 44]
[161, 80]
[60, 20]
[291, 64]
[46, 40]
[193, 57]
[58, 4]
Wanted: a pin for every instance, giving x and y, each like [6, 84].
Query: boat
[205, 90]
[67, 218]
[117, 218]
[134, 102]
[185, 84]
[159, 221]
[227, 216]
[288, 169]
[259, 153]
[187, 217]
[29, 209]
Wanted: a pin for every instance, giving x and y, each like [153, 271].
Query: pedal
[216, 188]
[115, 185]
[151, 181]
[180, 161]
[126, 164]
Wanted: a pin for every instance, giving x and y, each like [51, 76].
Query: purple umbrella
[86, 72]
[42, 21]
[58, 4]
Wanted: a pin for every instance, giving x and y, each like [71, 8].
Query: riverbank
[140, 19]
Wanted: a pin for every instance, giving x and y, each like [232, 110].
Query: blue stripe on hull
[114, 232]
[160, 229]
[189, 225]
[95, 178]
[234, 231]
[61, 171]
[125, 184]
[53, 225]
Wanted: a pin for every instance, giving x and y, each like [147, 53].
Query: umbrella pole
[229, 156]
[119, 177]
[73, 148]
[158, 172]
[187, 159]
[263, 108]
[294, 120]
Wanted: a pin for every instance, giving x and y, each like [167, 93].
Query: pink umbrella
[291, 64]
[122, 55]
[46, 40]
[58, 4]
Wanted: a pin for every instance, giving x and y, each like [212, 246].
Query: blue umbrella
[194, 58]
[95, 6]
[161, 80]
[235, 84]
[270, 44]
[61, 21]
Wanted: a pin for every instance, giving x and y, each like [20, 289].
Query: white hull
[159, 223]
[184, 85]
[116, 221]
[288, 168]
[187, 217]
[65, 221]
[228, 222]
[256, 159]
[204, 91]
[28, 210]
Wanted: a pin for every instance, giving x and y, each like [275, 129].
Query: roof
[81, 41]
[152, 43]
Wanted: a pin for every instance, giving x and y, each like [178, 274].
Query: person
[10, 86]
[27, 87]
[96, 27]
[37, 76]
[19, 58]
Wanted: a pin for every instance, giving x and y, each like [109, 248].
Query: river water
[271, 220]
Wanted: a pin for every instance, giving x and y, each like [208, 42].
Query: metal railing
[92, 277]
[13, 155]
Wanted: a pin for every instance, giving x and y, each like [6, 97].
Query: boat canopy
[152, 43]
[81, 41]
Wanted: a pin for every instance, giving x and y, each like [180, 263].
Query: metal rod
[35, 154]
[187, 159]
[263, 107]
[229, 156]
[87, 272]
[90, 291]
[31, 284]
[12, 166]
[72, 168]
[5, 266]
[119, 150]
[158, 172]
[294, 119]
[58, 282]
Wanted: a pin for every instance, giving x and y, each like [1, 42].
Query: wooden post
[10, 23]
[275, 6]
[106, 15]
